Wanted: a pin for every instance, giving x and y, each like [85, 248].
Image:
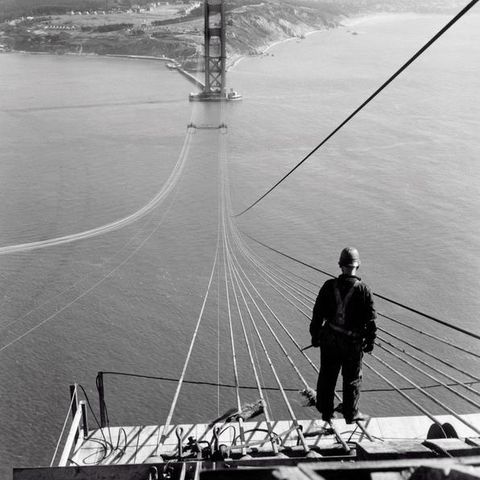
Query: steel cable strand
[291, 337]
[380, 314]
[233, 228]
[246, 254]
[448, 387]
[229, 311]
[337, 396]
[232, 344]
[269, 360]
[439, 339]
[226, 202]
[113, 259]
[153, 203]
[283, 326]
[238, 268]
[283, 271]
[279, 271]
[268, 271]
[431, 355]
[96, 284]
[316, 369]
[391, 384]
[428, 395]
[389, 300]
[266, 407]
[456, 381]
[462, 396]
[134, 237]
[271, 282]
[432, 377]
[367, 101]
[403, 394]
[189, 353]
[265, 274]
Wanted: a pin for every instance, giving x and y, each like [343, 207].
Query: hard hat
[349, 257]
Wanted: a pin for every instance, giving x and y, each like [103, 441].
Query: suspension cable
[279, 278]
[403, 394]
[368, 100]
[439, 339]
[189, 353]
[380, 314]
[269, 360]
[255, 372]
[394, 302]
[418, 369]
[429, 354]
[456, 381]
[229, 312]
[287, 356]
[431, 397]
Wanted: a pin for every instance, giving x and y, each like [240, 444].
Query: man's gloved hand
[367, 346]
[315, 342]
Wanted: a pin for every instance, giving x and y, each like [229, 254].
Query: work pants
[339, 351]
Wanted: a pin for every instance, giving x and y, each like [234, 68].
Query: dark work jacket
[359, 313]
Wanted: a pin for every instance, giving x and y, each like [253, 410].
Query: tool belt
[344, 331]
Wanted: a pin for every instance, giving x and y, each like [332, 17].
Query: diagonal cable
[368, 100]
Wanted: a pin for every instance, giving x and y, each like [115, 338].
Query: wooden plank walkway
[140, 444]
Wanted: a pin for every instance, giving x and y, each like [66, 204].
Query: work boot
[358, 417]
[328, 418]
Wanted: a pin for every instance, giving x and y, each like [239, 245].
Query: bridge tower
[215, 55]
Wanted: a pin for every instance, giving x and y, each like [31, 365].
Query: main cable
[367, 101]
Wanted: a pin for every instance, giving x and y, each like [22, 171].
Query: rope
[368, 100]
[394, 302]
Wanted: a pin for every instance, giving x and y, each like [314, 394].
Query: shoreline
[240, 57]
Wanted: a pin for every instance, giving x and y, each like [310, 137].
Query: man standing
[343, 326]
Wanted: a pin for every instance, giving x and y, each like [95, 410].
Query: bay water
[86, 141]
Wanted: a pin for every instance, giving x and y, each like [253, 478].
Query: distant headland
[174, 29]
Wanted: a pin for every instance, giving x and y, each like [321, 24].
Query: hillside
[176, 30]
